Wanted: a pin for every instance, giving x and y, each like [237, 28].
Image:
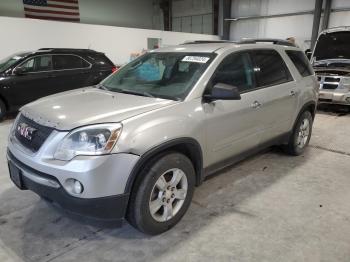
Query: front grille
[329, 86]
[324, 100]
[39, 136]
[332, 79]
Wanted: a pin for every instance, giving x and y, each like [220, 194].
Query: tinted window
[100, 59]
[38, 64]
[68, 62]
[236, 70]
[270, 68]
[300, 61]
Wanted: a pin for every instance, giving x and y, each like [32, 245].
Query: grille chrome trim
[40, 136]
[328, 82]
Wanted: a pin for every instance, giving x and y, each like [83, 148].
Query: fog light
[347, 99]
[74, 186]
[78, 187]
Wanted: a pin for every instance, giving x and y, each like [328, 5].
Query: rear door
[277, 99]
[102, 67]
[71, 71]
[232, 126]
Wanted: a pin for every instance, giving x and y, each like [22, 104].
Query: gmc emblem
[26, 131]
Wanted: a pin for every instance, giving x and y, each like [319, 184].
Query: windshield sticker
[196, 59]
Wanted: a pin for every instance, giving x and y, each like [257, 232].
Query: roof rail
[266, 40]
[244, 41]
[66, 49]
[206, 42]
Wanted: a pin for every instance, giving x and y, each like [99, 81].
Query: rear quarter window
[100, 59]
[61, 62]
[301, 62]
[270, 68]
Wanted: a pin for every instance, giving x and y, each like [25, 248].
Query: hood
[86, 106]
[332, 45]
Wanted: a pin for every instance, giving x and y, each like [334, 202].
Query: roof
[194, 48]
[209, 46]
[65, 50]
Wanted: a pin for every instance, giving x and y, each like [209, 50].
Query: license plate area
[16, 175]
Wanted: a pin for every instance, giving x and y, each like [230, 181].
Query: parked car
[331, 62]
[27, 76]
[138, 144]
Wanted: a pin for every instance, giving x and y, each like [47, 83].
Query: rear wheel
[164, 194]
[301, 135]
[2, 110]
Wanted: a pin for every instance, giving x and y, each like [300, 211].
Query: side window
[270, 68]
[68, 62]
[300, 61]
[236, 70]
[38, 64]
[101, 59]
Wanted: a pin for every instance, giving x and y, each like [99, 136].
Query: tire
[162, 193]
[300, 137]
[2, 110]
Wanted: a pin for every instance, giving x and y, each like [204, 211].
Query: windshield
[9, 61]
[161, 75]
[333, 46]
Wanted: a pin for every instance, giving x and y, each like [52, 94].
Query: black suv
[27, 76]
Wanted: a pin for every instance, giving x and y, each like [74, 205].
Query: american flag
[61, 10]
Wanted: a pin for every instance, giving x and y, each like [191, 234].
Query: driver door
[34, 81]
[233, 126]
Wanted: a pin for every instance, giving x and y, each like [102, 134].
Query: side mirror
[19, 71]
[222, 91]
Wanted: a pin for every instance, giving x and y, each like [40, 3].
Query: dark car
[27, 76]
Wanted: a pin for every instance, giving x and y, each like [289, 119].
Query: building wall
[118, 43]
[193, 16]
[299, 26]
[130, 13]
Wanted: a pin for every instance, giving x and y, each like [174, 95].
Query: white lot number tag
[195, 59]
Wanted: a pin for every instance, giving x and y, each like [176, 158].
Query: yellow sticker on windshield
[196, 59]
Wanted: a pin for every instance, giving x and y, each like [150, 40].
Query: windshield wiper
[100, 86]
[132, 92]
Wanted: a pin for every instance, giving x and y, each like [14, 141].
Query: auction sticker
[196, 59]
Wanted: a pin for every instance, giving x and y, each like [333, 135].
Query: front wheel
[301, 135]
[164, 194]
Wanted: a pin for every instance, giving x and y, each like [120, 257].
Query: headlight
[89, 140]
[345, 82]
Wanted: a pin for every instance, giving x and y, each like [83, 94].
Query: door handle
[256, 104]
[292, 93]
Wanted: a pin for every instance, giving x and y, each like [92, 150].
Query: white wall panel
[299, 26]
[117, 42]
[340, 18]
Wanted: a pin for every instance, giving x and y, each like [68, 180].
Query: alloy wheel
[303, 133]
[168, 195]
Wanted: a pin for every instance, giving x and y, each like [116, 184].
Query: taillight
[114, 68]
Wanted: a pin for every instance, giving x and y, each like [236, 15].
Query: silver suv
[136, 145]
[331, 62]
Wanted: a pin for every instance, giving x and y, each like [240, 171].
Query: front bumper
[336, 96]
[111, 208]
[104, 178]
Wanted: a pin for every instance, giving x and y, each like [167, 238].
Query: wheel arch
[187, 146]
[2, 98]
[309, 106]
